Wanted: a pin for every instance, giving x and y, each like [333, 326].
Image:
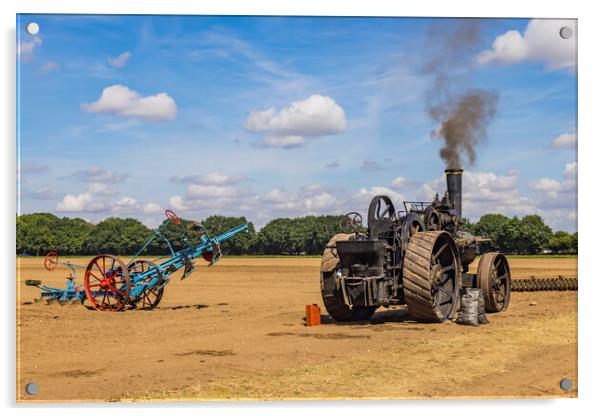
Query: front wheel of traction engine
[431, 276]
[331, 293]
[493, 276]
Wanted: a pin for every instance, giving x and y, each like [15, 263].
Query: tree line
[42, 232]
[527, 235]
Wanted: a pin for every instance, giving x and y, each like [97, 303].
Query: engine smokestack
[454, 189]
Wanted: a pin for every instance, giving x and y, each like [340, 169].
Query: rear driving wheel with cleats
[431, 276]
[331, 292]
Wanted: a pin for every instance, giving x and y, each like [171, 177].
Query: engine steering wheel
[351, 222]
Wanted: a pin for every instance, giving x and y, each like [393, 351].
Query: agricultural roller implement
[109, 284]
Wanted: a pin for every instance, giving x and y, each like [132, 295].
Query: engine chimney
[454, 189]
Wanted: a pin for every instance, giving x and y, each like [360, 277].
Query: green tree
[41, 232]
[117, 236]
[275, 238]
[534, 234]
[529, 235]
[242, 243]
[493, 226]
[467, 226]
[37, 233]
[71, 235]
[174, 233]
[561, 242]
[305, 235]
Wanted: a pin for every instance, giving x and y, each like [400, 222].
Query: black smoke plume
[462, 113]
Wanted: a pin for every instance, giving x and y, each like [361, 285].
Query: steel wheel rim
[107, 283]
[51, 260]
[500, 282]
[444, 274]
[150, 297]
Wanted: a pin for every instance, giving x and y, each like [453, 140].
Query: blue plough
[109, 284]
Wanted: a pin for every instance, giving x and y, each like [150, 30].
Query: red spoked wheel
[107, 283]
[172, 217]
[150, 297]
[51, 260]
[208, 256]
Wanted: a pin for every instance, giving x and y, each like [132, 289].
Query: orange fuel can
[312, 315]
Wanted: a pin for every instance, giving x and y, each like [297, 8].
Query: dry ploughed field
[236, 331]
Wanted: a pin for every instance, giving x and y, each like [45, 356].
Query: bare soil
[236, 331]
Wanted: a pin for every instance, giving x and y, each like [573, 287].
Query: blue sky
[281, 116]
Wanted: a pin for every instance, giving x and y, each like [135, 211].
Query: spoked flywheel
[493, 276]
[431, 276]
[107, 283]
[150, 297]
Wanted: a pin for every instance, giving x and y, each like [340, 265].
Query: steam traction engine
[418, 257]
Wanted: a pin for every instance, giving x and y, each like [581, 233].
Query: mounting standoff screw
[32, 28]
[566, 32]
[566, 384]
[31, 389]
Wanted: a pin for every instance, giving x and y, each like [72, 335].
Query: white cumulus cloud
[484, 192]
[84, 202]
[565, 140]
[151, 208]
[541, 41]
[211, 191]
[316, 116]
[399, 182]
[96, 174]
[122, 101]
[121, 60]
[320, 202]
[26, 48]
[570, 170]
[125, 204]
[545, 184]
[363, 196]
[178, 203]
[558, 193]
[211, 178]
[100, 198]
[101, 189]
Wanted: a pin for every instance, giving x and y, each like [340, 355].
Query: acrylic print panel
[224, 208]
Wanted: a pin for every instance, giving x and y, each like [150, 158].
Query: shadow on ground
[381, 317]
